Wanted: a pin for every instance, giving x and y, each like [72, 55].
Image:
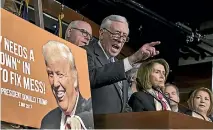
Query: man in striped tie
[74, 111]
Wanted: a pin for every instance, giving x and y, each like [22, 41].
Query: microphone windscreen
[167, 95]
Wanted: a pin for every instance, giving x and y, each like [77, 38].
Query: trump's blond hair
[55, 51]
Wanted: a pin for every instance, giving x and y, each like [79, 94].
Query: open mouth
[83, 43]
[201, 105]
[60, 95]
[116, 47]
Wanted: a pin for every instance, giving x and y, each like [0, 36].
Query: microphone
[168, 98]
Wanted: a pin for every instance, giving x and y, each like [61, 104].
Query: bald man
[79, 33]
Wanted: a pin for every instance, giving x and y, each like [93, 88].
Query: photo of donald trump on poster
[73, 111]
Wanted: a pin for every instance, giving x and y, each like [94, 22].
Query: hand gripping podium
[150, 120]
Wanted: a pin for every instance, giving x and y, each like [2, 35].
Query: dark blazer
[189, 112]
[182, 109]
[142, 101]
[84, 110]
[104, 77]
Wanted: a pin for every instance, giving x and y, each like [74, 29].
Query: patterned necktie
[160, 97]
[120, 83]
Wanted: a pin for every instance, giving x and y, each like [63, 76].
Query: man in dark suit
[172, 92]
[84, 110]
[107, 74]
[74, 111]
[79, 33]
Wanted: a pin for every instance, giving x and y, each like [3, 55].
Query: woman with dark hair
[201, 101]
[151, 78]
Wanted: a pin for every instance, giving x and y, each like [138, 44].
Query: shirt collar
[99, 43]
[175, 110]
[151, 91]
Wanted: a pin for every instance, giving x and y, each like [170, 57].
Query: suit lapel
[151, 100]
[100, 54]
[103, 60]
[79, 105]
[118, 88]
[57, 120]
[125, 93]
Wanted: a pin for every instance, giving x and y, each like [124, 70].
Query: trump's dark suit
[84, 110]
[104, 77]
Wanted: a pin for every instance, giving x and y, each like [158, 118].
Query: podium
[150, 120]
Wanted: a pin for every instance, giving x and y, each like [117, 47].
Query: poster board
[26, 94]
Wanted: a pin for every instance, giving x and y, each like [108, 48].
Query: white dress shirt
[175, 110]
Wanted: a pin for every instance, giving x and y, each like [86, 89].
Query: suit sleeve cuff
[127, 65]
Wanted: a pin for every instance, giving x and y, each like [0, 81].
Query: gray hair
[54, 50]
[108, 20]
[72, 24]
[173, 85]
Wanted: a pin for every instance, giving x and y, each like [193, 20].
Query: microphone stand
[181, 104]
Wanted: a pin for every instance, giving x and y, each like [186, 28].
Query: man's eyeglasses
[84, 33]
[117, 36]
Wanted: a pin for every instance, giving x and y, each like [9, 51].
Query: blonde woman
[201, 101]
[151, 78]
